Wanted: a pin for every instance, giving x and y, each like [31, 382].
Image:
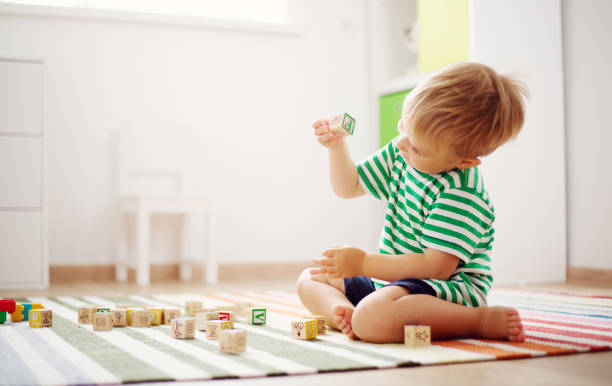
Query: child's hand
[324, 135]
[340, 262]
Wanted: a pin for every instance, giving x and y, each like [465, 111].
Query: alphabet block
[17, 316]
[156, 315]
[2, 317]
[40, 317]
[242, 308]
[102, 321]
[214, 327]
[138, 317]
[170, 313]
[182, 328]
[256, 316]
[227, 315]
[7, 305]
[304, 329]
[417, 336]
[321, 323]
[119, 317]
[86, 314]
[342, 124]
[203, 317]
[232, 341]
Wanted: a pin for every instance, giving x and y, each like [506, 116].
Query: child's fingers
[322, 130]
[323, 262]
[318, 271]
[320, 122]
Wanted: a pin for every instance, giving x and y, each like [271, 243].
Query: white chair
[154, 179]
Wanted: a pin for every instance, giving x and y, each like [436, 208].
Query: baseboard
[62, 274]
[593, 276]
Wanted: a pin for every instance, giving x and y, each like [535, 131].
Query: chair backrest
[153, 162]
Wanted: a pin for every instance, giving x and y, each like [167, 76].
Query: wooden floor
[581, 369]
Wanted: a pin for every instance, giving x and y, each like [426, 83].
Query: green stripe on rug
[124, 365]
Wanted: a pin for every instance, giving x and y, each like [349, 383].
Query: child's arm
[341, 262]
[342, 170]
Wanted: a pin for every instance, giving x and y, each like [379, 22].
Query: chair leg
[212, 270]
[185, 271]
[121, 273]
[143, 266]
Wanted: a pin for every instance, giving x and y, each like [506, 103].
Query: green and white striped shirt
[449, 212]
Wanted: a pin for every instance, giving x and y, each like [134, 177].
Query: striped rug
[70, 354]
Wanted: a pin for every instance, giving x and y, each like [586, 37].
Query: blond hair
[467, 106]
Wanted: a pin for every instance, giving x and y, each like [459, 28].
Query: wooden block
[227, 315]
[203, 317]
[40, 317]
[156, 315]
[182, 328]
[342, 124]
[86, 314]
[119, 317]
[321, 323]
[102, 321]
[214, 327]
[139, 318]
[193, 307]
[26, 311]
[417, 336]
[7, 305]
[304, 329]
[232, 341]
[170, 313]
[17, 316]
[256, 316]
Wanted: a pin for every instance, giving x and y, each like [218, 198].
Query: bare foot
[343, 316]
[501, 323]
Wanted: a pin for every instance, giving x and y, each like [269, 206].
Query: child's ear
[467, 163]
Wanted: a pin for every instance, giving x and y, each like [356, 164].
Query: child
[433, 267]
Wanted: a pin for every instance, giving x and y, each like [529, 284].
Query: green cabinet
[390, 111]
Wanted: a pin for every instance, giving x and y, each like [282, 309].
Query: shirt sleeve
[376, 170]
[460, 223]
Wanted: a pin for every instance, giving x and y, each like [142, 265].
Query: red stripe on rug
[548, 349]
[579, 319]
[566, 324]
[489, 350]
[569, 343]
[573, 334]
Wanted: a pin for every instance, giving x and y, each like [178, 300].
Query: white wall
[247, 99]
[526, 177]
[587, 35]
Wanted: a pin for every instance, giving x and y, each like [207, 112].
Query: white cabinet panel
[20, 172]
[21, 93]
[21, 252]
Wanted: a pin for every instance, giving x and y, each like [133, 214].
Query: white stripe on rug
[569, 339]
[46, 373]
[575, 329]
[164, 362]
[97, 373]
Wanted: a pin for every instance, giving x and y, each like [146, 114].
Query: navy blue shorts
[358, 287]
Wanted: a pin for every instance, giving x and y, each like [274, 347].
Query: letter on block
[417, 336]
[170, 313]
[321, 323]
[232, 341]
[342, 124]
[193, 307]
[203, 317]
[182, 328]
[119, 317]
[214, 327]
[40, 317]
[227, 315]
[256, 316]
[156, 315]
[304, 328]
[102, 321]
[17, 316]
